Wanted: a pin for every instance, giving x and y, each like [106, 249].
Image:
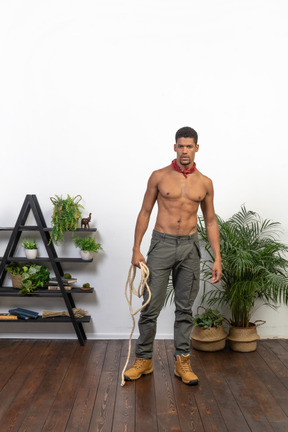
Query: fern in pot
[87, 246]
[31, 248]
[65, 217]
[254, 268]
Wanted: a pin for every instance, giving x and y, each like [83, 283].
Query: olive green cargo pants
[181, 255]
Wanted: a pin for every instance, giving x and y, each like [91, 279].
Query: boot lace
[185, 364]
[139, 363]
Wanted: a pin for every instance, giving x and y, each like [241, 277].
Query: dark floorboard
[60, 386]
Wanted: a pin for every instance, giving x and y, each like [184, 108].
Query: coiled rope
[129, 291]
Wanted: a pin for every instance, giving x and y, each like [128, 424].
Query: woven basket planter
[211, 339]
[16, 281]
[244, 339]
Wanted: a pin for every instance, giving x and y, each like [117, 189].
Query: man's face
[186, 149]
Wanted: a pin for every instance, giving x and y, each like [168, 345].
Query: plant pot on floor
[208, 339]
[244, 339]
[254, 269]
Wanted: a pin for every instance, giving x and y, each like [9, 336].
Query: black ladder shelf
[31, 204]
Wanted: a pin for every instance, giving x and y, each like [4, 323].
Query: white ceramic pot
[86, 256]
[31, 253]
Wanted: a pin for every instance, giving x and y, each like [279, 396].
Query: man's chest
[190, 189]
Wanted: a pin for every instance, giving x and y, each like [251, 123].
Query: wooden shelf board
[47, 259]
[7, 291]
[58, 319]
[36, 228]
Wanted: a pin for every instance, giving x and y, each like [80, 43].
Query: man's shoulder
[203, 177]
[161, 171]
[205, 181]
[157, 176]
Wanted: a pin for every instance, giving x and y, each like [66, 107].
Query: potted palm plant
[254, 268]
[87, 246]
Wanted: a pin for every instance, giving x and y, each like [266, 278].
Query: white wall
[91, 94]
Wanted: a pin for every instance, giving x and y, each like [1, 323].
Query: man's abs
[177, 220]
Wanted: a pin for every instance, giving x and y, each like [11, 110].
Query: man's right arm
[144, 217]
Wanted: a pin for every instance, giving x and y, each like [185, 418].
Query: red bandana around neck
[184, 172]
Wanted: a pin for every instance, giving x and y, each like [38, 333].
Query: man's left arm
[212, 230]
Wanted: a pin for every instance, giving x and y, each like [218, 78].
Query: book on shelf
[54, 280]
[24, 317]
[7, 316]
[24, 313]
[57, 288]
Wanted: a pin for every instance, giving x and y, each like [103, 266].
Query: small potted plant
[31, 248]
[15, 270]
[28, 277]
[208, 333]
[33, 276]
[65, 217]
[87, 246]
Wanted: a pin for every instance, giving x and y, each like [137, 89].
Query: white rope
[129, 291]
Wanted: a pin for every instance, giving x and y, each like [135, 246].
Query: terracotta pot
[211, 339]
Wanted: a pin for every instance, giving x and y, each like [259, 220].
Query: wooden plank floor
[59, 386]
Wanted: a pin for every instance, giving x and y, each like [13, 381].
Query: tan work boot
[183, 370]
[140, 367]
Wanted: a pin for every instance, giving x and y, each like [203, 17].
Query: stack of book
[53, 284]
[23, 313]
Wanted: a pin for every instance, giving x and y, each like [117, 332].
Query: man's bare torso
[178, 200]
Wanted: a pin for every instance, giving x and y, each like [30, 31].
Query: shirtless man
[179, 189]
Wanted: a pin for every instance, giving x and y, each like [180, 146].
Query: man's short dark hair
[186, 132]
